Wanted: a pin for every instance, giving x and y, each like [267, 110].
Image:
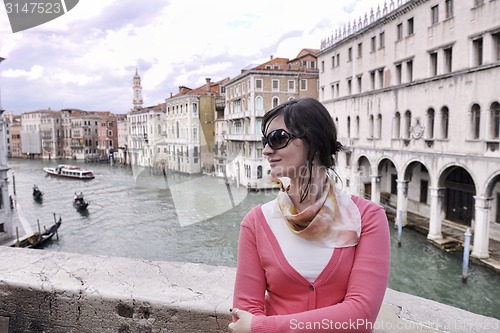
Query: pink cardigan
[346, 296]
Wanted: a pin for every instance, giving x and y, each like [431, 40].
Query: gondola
[37, 194]
[79, 202]
[38, 239]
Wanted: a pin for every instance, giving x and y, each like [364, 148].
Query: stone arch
[418, 179]
[387, 173]
[460, 189]
[364, 175]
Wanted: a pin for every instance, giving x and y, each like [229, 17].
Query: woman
[315, 259]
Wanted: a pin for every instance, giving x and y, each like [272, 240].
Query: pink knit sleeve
[365, 292]
[250, 283]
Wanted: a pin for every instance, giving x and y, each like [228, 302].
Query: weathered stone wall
[53, 292]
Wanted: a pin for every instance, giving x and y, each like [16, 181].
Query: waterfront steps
[43, 291]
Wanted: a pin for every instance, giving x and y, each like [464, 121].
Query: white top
[306, 257]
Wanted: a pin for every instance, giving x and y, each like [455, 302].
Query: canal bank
[453, 239]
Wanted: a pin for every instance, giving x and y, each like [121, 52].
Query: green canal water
[136, 213]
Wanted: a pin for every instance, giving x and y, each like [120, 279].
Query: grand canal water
[139, 214]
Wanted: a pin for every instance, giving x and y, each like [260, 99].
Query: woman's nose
[267, 150]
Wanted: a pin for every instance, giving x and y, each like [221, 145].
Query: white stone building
[189, 127]
[413, 89]
[248, 96]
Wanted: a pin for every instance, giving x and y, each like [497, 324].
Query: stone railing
[44, 291]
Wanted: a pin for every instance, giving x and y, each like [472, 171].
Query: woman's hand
[244, 322]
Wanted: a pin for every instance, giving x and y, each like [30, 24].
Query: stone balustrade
[45, 291]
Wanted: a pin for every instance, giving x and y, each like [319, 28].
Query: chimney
[208, 85]
[171, 94]
[271, 57]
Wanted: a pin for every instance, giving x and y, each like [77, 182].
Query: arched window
[349, 127]
[276, 102]
[378, 127]
[370, 127]
[356, 135]
[259, 172]
[407, 125]
[259, 105]
[475, 121]
[445, 114]
[429, 128]
[396, 126]
[177, 130]
[495, 120]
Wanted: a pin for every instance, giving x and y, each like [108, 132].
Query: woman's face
[289, 161]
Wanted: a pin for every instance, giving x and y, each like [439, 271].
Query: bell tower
[137, 101]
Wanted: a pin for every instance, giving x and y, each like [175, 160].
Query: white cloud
[34, 73]
[92, 51]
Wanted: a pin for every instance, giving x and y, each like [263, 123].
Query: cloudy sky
[86, 58]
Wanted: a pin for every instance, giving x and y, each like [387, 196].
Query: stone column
[402, 202]
[436, 213]
[375, 196]
[481, 227]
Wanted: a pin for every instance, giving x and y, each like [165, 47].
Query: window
[378, 127]
[322, 66]
[409, 71]
[429, 128]
[195, 133]
[259, 105]
[349, 86]
[360, 82]
[304, 64]
[356, 127]
[477, 46]
[381, 78]
[333, 61]
[396, 126]
[195, 109]
[449, 8]
[444, 122]
[448, 60]
[407, 125]
[276, 102]
[370, 127]
[374, 44]
[372, 80]
[495, 120]
[338, 59]
[258, 84]
[276, 85]
[435, 14]
[410, 26]
[313, 64]
[360, 50]
[478, 2]
[398, 74]
[303, 84]
[349, 127]
[433, 64]
[349, 54]
[291, 85]
[496, 47]
[382, 40]
[399, 31]
[475, 121]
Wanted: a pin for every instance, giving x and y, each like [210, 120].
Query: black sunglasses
[277, 139]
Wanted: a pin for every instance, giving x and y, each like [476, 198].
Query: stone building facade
[413, 91]
[238, 154]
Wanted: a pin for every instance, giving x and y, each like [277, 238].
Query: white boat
[69, 171]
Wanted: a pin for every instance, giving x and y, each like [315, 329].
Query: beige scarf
[332, 221]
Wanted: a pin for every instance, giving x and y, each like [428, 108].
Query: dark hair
[309, 120]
